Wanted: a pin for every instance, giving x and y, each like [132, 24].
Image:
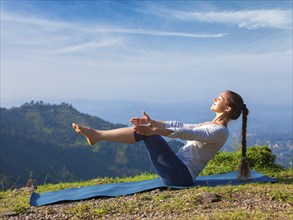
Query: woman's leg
[168, 166]
[122, 135]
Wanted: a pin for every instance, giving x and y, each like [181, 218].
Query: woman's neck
[221, 119]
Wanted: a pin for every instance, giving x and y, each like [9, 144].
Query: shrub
[259, 158]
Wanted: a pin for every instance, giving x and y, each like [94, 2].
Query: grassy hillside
[249, 201]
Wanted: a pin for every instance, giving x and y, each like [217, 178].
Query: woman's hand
[142, 120]
[143, 125]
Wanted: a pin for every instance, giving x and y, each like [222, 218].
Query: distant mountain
[37, 140]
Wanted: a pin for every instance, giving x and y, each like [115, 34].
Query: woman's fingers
[141, 120]
[147, 117]
[134, 121]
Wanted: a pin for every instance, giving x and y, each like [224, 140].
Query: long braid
[244, 125]
[244, 166]
[237, 105]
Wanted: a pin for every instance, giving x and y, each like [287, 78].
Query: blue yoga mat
[129, 188]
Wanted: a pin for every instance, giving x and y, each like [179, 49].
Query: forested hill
[48, 124]
[37, 140]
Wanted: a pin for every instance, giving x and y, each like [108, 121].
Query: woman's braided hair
[236, 102]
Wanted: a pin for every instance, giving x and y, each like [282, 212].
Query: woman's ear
[228, 109]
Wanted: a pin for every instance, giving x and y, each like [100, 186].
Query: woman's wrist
[158, 124]
[161, 131]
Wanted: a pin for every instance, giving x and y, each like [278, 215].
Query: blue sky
[154, 51]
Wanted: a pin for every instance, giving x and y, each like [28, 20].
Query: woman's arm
[209, 133]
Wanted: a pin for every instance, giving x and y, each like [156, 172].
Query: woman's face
[220, 103]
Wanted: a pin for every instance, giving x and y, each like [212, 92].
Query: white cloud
[51, 26]
[34, 34]
[249, 19]
[161, 33]
[88, 45]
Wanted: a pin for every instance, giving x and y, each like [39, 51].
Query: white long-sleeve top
[203, 143]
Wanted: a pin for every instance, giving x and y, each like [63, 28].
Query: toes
[76, 128]
[87, 132]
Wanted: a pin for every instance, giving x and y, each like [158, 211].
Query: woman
[203, 140]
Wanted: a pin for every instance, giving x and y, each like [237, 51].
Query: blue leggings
[168, 166]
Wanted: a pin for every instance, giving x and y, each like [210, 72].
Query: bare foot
[89, 133]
